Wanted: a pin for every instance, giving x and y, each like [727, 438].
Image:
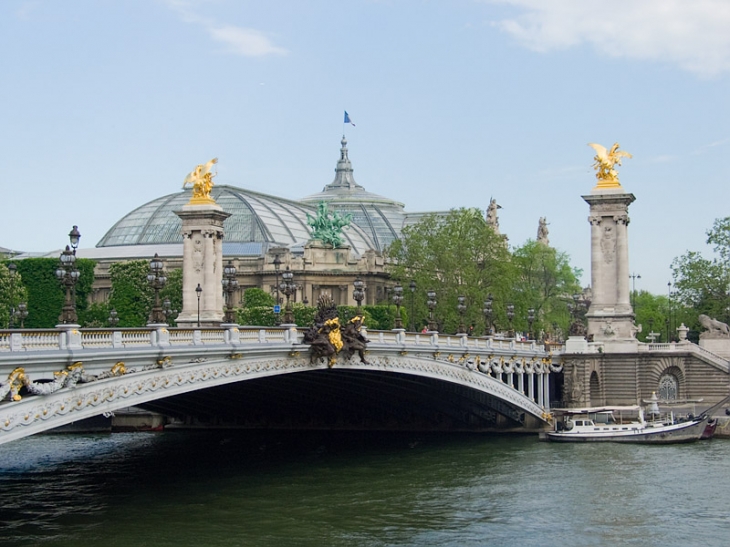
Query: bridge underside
[344, 400]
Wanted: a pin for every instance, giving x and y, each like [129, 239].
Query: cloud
[242, 41]
[691, 34]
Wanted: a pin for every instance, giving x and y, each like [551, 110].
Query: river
[222, 488]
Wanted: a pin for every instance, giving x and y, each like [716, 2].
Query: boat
[710, 428]
[625, 424]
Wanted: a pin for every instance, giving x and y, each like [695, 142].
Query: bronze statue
[326, 338]
[328, 229]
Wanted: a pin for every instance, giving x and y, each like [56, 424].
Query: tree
[131, 294]
[461, 255]
[12, 292]
[701, 284]
[545, 282]
[456, 255]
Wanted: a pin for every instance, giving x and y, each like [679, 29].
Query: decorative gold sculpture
[606, 160]
[202, 180]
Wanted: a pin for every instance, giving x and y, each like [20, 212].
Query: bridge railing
[75, 338]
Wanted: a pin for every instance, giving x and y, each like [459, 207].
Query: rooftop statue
[328, 229]
[492, 218]
[202, 180]
[606, 160]
[542, 232]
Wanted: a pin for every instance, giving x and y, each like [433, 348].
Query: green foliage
[97, 315]
[383, 317]
[255, 298]
[545, 282]
[44, 293]
[173, 292]
[461, 255]
[456, 255]
[131, 294]
[12, 292]
[701, 285]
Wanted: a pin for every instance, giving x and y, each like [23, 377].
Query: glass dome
[254, 218]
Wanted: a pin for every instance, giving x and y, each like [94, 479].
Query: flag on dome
[348, 120]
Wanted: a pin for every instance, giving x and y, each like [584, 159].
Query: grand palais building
[263, 227]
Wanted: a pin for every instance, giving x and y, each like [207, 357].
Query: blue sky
[107, 105]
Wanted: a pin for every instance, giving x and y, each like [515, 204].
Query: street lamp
[487, 311]
[633, 277]
[288, 288]
[113, 318]
[461, 308]
[669, 310]
[510, 317]
[74, 237]
[431, 303]
[359, 293]
[398, 300]
[13, 269]
[530, 321]
[157, 280]
[277, 265]
[68, 275]
[230, 284]
[167, 309]
[198, 291]
[412, 286]
[21, 313]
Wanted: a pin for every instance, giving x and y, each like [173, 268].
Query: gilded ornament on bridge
[606, 161]
[201, 179]
[327, 338]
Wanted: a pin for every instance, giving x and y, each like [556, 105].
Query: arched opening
[595, 390]
[668, 387]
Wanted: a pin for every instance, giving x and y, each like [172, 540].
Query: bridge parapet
[74, 373]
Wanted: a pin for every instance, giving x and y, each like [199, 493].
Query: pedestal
[610, 316]
[202, 230]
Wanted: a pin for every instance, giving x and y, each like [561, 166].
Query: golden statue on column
[606, 160]
[202, 180]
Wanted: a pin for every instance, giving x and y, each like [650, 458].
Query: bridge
[252, 377]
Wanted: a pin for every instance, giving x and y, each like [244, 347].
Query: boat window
[579, 422]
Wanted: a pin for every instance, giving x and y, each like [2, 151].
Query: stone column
[202, 228]
[610, 317]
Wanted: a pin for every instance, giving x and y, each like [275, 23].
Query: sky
[108, 104]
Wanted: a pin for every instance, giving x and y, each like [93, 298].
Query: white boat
[624, 424]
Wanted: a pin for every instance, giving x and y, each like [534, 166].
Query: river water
[230, 489]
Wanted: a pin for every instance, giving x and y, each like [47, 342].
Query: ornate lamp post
[230, 284]
[74, 236]
[412, 286]
[113, 318]
[68, 275]
[167, 310]
[359, 293]
[487, 311]
[398, 300]
[530, 321]
[198, 291]
[277, 265]
[21, 313]
[288, 288]
[510, 317]
[461, 308]
[13, 269]
[431, 303]
[157, 280]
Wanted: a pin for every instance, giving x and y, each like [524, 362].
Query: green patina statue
[328, 228]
